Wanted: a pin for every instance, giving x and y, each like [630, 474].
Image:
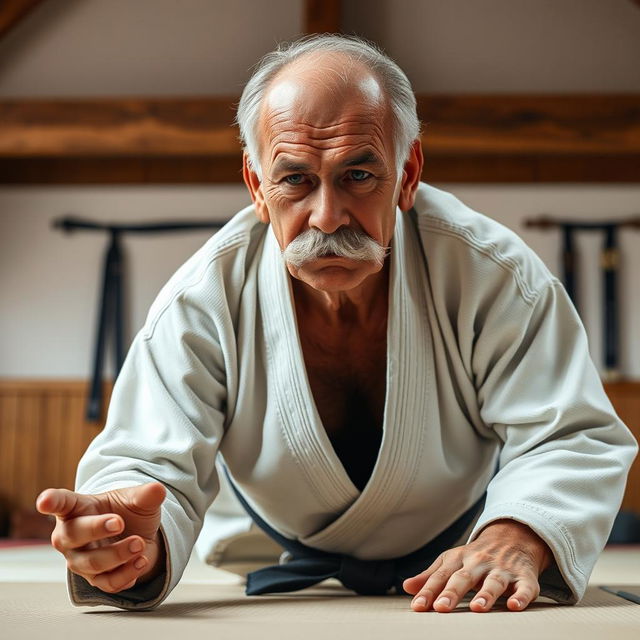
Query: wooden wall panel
[625, 397]
[43, 434]
[8, 449]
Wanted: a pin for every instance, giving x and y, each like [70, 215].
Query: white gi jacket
[487, 364]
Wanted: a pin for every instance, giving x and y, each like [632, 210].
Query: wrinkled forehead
[320, 92]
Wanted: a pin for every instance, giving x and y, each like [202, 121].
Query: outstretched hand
[505, 559]
[111, 539]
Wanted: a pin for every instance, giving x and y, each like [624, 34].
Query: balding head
[348, 68]
[328, 71]
[314, 88]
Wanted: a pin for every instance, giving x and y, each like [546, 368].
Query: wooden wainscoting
[625, 397]
[43, 433]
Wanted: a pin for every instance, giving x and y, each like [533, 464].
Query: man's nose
[328, 213]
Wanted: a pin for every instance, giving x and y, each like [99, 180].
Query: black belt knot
[368, 578]
[307, 566]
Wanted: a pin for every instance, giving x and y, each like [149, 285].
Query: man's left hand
[505, 559]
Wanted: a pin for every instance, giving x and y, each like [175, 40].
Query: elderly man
[394, 387]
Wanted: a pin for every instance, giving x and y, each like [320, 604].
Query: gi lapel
[409, 365]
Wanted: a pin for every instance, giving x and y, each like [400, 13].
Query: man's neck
[353, 307]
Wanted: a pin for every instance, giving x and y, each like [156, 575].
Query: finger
[526, 591]
[425, 598]
[105, 559]
[57, 502]
[415, 583]
[458, 585]
[79, 532]
[495, 584]
[122, 578]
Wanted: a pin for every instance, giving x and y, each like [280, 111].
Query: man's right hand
[111, 539]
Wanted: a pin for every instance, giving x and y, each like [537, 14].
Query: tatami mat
[210, 603]
[41, 563]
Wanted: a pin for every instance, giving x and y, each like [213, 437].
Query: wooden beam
[569, 138]
[453, 125]
[12, 12]
[526, 125]
[322, 16]
[228, 170]
[122, 170]
[118, 127]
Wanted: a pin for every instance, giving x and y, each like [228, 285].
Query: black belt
[307, 566]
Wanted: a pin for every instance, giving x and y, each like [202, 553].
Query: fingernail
[420, 601]
[518, 603]
[481, 601]
[112, 524]
[135, 546]
[140, 562]
[444, 602]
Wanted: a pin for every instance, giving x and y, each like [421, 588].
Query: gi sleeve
[565, 454]
[165, 424]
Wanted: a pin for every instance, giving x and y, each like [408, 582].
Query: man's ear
[254, 185]
[411, 176]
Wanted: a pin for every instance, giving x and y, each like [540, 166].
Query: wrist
[522, 535]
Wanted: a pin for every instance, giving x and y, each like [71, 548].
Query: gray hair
[406, 126]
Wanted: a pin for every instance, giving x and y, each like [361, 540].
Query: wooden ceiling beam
[566, 124]
[13, 11]
[466, 138]
[118, 127]
[228, 170]
[322, 16]
[453, 125]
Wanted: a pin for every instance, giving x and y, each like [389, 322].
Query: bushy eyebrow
[368, 157]
[291, 166]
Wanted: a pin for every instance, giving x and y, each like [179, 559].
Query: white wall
[508, 46]
[158, 47]
[49, 282]
[142, 47]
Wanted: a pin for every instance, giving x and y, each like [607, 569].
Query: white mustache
[344, 242]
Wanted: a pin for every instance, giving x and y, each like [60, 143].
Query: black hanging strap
[110, 319]
[609, 262]
[569, 262]
[112, 312]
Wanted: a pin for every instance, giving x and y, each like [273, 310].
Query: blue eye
[358, 175]
[294, 179]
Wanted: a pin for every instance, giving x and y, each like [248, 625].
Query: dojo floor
[210, 603]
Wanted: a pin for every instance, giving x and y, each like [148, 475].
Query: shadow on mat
[199, 608]
[227, 607]
[594, 597]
